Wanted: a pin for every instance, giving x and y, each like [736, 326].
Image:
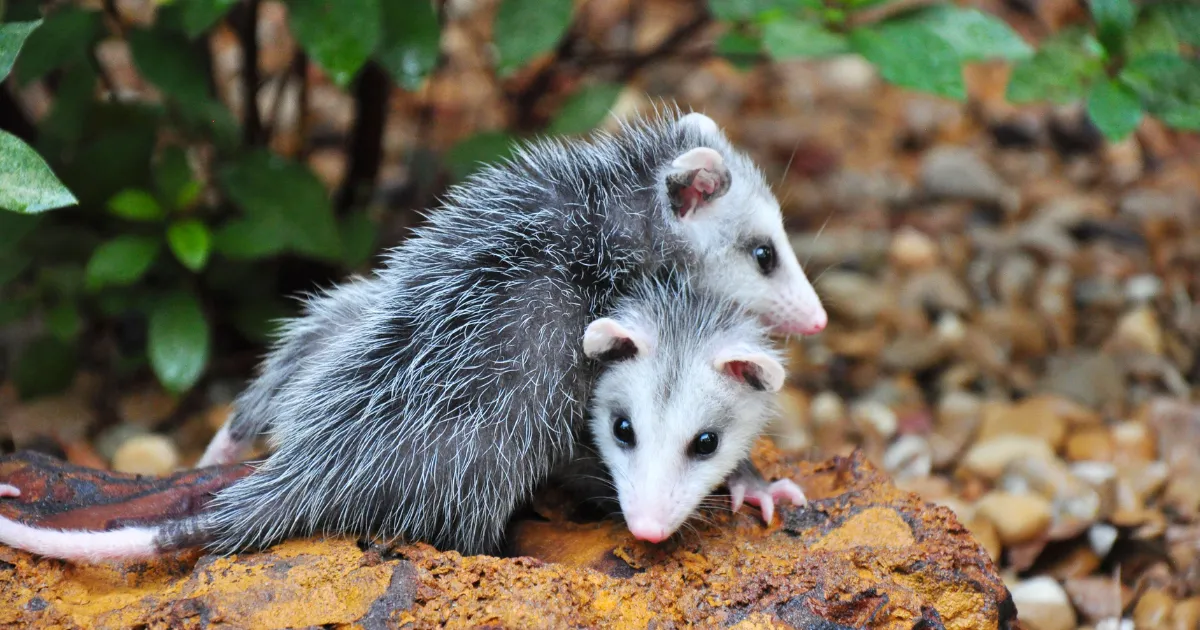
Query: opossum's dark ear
[695, 179]
[608, 340]
[756, 369]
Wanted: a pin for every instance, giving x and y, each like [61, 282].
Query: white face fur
[672, 426]
[747, 255]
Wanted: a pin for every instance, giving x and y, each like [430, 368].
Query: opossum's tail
[127, 543]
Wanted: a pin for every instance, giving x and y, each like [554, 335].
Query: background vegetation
[166, 233]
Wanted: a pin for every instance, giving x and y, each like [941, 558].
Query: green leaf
[911, 55]
[740, 49]
[27, 185]
[46, 366]
[201, 15]
[286, 196]
[358, 239]
[65, 36]
[524, 29]
[136, 205]
[73, 101]
[1114, 19]
[173, 177]
[1114, 109]
[471, 154]
[63, 322]
[177, 342]
[12, 37]
[585, 109]
[191, 242]
[1153, 33]
[250, 238]
[1168, 86]
[1061, 72]
[171, 64]
[1185, 17]
[733, 10]
[339, 35]
[411, 36]
[121, 261]
[115, 153]
[973, 34]
[794, 39]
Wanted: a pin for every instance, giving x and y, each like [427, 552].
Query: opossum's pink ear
[756, 369]
[695, 179]
[608, 340]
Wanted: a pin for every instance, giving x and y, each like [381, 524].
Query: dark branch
[244, 19]
[365, 153]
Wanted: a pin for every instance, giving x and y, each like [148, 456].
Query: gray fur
[457, 384]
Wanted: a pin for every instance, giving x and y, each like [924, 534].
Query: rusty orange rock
[862, 554]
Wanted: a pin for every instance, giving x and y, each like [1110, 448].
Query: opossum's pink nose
[647, 529]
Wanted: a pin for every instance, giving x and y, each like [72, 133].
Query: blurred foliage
[180, 221]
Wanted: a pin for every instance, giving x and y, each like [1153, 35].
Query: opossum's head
[672, 419]
[724, 207]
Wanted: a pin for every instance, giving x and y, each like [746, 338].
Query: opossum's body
[683, 364]
[428, 401]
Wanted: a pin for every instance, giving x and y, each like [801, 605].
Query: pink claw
[766, 497]
[737, 492]
[9, 491]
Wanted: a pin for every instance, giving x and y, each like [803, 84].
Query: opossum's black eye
[764, 255]
[623, 431]
[704, 444]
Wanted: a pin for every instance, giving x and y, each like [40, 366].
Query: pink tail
[129, 543]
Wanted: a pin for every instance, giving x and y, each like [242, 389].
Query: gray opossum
[428, 401]
[684, 383]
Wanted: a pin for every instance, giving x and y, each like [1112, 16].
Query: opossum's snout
[648, 529]
[647, 520]
[809, 323]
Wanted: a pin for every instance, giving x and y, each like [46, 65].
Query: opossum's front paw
[765, 496]
[747, 485]
[9, 491]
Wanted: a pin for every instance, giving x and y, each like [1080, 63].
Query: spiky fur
[455, 386]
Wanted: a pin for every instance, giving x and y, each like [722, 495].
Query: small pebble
[1154, 609]
[909, 457]
[148, 454]
[913, 249]
[1102, 537]
[1018, 518]
[1043, 604]
[988, 458]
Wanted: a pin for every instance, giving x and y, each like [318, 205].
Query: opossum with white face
[431, 399]
[683, 385]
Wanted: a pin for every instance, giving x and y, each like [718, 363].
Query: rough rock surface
[862, 554]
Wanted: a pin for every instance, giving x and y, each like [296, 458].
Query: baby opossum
[541, 241]
[685, 384]
[429, 400]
